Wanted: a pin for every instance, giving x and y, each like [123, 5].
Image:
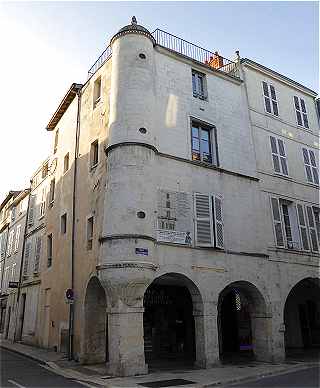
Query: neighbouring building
[181, 221]
[18, 210]
[5, 218]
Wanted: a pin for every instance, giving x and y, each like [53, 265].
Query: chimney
[216, 61]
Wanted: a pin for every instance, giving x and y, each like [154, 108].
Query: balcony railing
[183, 47]
[100, 61]
[197, 53]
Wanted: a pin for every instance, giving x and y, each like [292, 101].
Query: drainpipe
[76, 152]
[21, 267]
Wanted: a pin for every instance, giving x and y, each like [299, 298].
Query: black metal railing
[195, 52]
[100, 61]
[183, 47]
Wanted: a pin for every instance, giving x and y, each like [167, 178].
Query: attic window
[96, 92]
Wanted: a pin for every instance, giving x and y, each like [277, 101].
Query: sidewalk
[96, 374]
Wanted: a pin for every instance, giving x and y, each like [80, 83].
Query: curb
[284, 370]
[37, 359]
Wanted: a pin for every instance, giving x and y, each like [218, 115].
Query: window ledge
[279, 175]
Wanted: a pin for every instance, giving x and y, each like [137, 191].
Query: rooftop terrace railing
[195, 52]
[183, 47]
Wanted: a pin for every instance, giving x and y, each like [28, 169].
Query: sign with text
[174, 224]
[13, 284]
[142, 251]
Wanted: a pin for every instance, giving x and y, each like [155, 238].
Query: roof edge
[283, 77]
[63, 106]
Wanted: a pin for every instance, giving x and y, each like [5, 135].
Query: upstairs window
[49, 250]
[89, 233]
[43, 203]
[278, 155]
[208, 220]
[203, 147]
[199, 85]
[96, 92]
[310, 166]
[66, 163]
[64, 223]
[37, 255]
[10, 243]
[51, 192]
[56, 140]
[45, 170]
[16, 244]
[301, 112]
[94, 154]
[270, 99]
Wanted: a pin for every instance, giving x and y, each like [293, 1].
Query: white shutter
[26, 258]
[10, 242]
[314, 167]
[31, 210]
[203, 219]
[277, 222]
[218, 221]
[16, 245]
[275, 156]
[303, 227]
[312, 229]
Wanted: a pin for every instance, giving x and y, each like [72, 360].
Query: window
[49, 250]
[208, 220]
[37, 255]
[295, 225]
[204, 146]
[94, 154]
[10, 243]
[64, 223]
[43, 203]
[45, 170]
[199, 85]
[89, 233]
[51, 192]
[316, 213]
[96, 92]
[56, 140]
[66, 163]
[301, 112]
[31, 210]
[310, 166]
[278, 156]
[26, 258]
[16, 244]
[270, 99]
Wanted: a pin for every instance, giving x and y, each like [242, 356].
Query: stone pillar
[277, 329]
[126, 344]
[261, 336]
[206, 333]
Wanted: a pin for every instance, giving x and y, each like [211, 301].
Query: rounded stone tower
[127, 261]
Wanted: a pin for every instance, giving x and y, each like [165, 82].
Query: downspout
[21, 267]
[76, 152]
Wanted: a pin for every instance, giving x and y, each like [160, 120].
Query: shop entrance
[169, 332]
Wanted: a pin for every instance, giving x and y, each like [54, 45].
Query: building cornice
[272, 73]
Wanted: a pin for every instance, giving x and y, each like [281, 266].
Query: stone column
[126, 343]
[206, 333]
[277, 328]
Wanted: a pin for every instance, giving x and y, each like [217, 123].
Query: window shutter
[26, 258]
[203, 219]
[218, 219]
[275, 156]
[277, 221]
[31, 210]
[16, 245]
[302, 227]
[314, 167]
[283, 159]
[312, 229]
[37, 254]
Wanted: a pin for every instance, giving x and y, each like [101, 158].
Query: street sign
[142, 251]
[13, 284]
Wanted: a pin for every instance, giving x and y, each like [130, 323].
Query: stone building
[12, 265]
[175, 221]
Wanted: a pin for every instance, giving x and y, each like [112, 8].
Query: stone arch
[301, 316]
[95, 343]
[174, 310]
[242, 322]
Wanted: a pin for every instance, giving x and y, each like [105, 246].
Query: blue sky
[49, 45]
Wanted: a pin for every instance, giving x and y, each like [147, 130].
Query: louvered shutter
[303, 227]
[277, 222]
[283, 157]
[218, 220]
[314, 167]
[203, 219]
[37, 254]
[312, 229]
[275, 156]
[26, 258]
[31, 210]
[16, 245]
